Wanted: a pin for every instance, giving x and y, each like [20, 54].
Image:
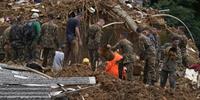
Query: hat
[86, 61]
[35, 15]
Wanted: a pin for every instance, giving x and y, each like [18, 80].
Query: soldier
[73, 37]
[148, 54]
[172, 57]
[49, 40]
[31, 31]
[182, 46]
[16, 40]
[93, 41]
[125, 48]
[6, 44]
[154, 37]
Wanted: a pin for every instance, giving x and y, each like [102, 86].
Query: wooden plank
[65, 81]
[12, 67]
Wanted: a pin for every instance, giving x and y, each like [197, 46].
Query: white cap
[35, 15]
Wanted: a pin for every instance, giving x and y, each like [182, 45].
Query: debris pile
[114, 89]
[111, 88]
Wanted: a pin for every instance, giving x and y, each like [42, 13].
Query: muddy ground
[115, 89]
[110, 88]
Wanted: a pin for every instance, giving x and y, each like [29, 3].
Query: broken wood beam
[122, 13]
[113, 23]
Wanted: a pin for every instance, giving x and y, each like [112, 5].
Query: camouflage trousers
[129, 72]
[48, 55]
[94, 56]
[149, 76]
[18, 54]
[30, 53]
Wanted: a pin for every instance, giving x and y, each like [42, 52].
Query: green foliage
[186, 10]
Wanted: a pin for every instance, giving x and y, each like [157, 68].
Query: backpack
[29, 31]
[16, 33]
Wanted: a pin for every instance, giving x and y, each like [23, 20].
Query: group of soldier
[160, 62]
[25, 37]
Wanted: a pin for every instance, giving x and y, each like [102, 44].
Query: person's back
[72, 23]
[94, 36]
[32, 30]
[126, 47]
[32, 34]
[58, 60]
[16, 35]
[146, 45]
[49, 35]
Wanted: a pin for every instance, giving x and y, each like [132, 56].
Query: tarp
[191, 74]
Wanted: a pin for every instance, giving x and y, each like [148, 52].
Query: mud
[115, 89]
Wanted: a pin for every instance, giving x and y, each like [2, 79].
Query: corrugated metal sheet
[15, 85]
[20, 92]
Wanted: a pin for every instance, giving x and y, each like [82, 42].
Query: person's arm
[179, 57]
[78, 35]
[141, 48]
[37, 28]
[42, 34]
[98, 37]
[56, 36]
[116, 46]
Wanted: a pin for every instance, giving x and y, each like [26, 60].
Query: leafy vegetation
[187, 11]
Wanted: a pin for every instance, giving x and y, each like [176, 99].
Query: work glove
[108, 46]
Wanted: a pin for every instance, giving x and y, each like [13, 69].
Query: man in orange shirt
[112, 66]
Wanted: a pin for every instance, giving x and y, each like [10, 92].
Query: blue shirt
[72, 23]
[153, 39]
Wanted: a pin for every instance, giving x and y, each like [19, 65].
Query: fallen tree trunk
[119, 11]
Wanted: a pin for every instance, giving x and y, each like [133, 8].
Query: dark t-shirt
[72, 23]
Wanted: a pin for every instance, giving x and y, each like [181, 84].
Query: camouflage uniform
[172, 57]
[155, 39]
[93, 43]
[16, 41]
[126, 50]
[5, 43]
[49, 42]
[32, 41]
[148, 53]
[182, 45]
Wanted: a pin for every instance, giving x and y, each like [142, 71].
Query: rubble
[111, 88]
[115, 89]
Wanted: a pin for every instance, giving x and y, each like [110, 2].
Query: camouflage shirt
[146, 47]
[4, 38]
[49, 35]
[183, 42]
[172, 57]
[94, 36]
[126, 49]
